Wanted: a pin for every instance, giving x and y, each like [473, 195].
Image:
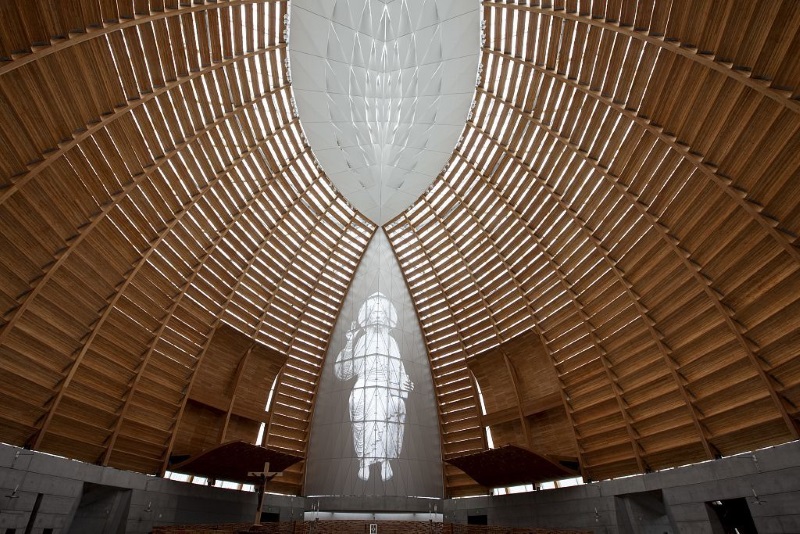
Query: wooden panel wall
[627, 186]
[523, 400]
[229, 395]
[154, 185]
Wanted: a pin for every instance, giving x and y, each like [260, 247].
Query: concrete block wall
[140, 503]
[23, 476]
[768, 479]
[578, 507]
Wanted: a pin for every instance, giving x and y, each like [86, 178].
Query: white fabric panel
[379, 83]
[375, 430]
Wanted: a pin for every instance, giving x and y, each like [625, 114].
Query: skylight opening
[323, 309]
[448, 278]
[551, 306]
[582, 188]
[496, 274]
[219, 189]
[569, 246]
[665, 196]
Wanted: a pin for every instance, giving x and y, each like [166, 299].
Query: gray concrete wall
[672, 501]
[137, 501]
[768, 479]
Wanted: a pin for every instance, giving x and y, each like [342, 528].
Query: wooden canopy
[235, 461]
[510, 465]
[626, 193]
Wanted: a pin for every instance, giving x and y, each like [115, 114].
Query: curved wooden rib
[458, 332]
[36, 168]
[642, 310]
[327, 344]
[229, 297]
[787, 242]
[93, 33]
[694, 269]
[425, 336]
[179, 297]
[296, 329]
[706, 60]
[118, 197]
[586, 321]
[129, 276]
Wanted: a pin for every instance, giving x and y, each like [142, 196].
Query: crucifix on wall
[262, 477]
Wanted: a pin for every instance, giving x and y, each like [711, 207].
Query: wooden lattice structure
[621, 220]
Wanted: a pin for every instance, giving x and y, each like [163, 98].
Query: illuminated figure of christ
[377, 402]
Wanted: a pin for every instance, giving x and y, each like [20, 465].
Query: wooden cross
[263, 477]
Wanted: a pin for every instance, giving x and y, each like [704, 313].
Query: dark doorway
[270, 517]
[102, 509]
[478, 519]
[731, 516]
[642, 513]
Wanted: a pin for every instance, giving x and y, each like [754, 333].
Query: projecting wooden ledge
[233, 461]
[511, 465]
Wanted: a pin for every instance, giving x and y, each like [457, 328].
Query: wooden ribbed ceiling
[619, 224]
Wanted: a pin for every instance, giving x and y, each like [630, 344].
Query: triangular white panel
[372, 433]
